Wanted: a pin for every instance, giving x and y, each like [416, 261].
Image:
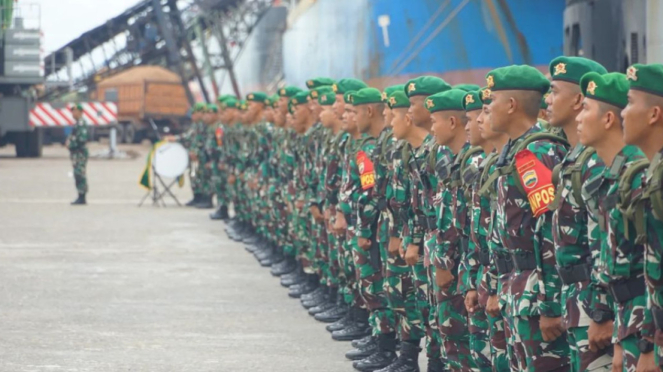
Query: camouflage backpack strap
[406, 152]
[486, 179]
[578, 157]
[655, 187]
[431, 162]
[630, 210]
[540, 136]
[469, 173]
[576, 174]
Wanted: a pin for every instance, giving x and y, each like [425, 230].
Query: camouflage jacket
[620, 258]
[526, 230]
[480, 233]
[569, 228]
[358, 178]
[288, 164]
[334, 167]
[314, 163]
[373, 182]
[78, 137]
[399, 202]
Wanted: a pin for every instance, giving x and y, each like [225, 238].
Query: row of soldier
[456, 219]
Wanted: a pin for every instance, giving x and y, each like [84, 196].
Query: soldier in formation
[78, 152]
[514, 227]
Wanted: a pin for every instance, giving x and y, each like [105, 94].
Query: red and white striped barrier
[94, 113]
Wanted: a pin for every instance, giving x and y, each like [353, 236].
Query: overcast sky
[64, 20]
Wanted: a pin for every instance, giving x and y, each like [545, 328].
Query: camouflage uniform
[421, 231]
[305, 243]
[78, 153]
[526, 235]
[218, 163]
[573, 254]
[620, 259]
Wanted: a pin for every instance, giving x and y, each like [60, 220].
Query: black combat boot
[408, 361]
[297, 276]
[275, 258]
[343, 322]
[365, 350]
[334, 314]
[205, 202]
[362, 341]
[80, 200]
[328, 303]
[358, 329]
[194, 201]
[383, 356]
[219, 214]
[284, 267]
[308, 286]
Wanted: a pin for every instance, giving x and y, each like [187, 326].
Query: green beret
[222, 98]
[571, 69]
[346, 85]
[288, 91]
[327, 98]
[77, 106]
[389, 90]
[257, 97]
[274, 98]
[367, 96]
[231, 102]
[300, 98]
[347, 97]
[611, 88]
[647, 78]
[451, 99]
[398, 99]
[517, 77]
[485, 96]
[472, 100]
[199, 107]
[467, 87]
[425, 86]
[211, 107]
[319, 82]
[316, 92]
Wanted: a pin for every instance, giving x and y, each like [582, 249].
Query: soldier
[451, 250]
[78, 153]
[219, 172]
[617, 276]
[206, 156]
[525, 190]
[421, 233]
[570, 217]
[643, 123]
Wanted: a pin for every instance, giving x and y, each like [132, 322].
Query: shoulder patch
[366, 170]
[536, 179]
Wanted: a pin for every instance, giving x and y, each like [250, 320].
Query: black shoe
[264, 253]
[435, 365]
[352, 332]
[80, 200]
[321, 308]
[292, 278]
[284, 267]
[310, 296]
[194, 201]
[332, 315]
[408, 360]
[339, 324]
[306, 287]
[272, 260]
[363, 341]
[315, 301]
[376, 361]
[205, 202]
[217, 215]
[362, 353]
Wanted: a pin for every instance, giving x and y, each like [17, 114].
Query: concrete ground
[114, 287]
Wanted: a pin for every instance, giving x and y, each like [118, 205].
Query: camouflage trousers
[630, 353]
[351, 292]
[79, 162]
[333, 274]
[480, 346]
[532, 353]
[426, 303]
[318, 250]
[493, 331]
[220, 182]
[304, 242]
[583, 359]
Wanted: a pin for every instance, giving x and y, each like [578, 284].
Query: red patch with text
[366, 171]
[536, 179]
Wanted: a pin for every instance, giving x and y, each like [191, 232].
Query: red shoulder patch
[366, 170]
[536, 179]
[219, 136]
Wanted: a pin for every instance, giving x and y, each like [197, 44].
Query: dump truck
[149, 99]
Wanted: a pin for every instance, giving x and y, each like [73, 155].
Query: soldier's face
[388, 115]
[327, 116]
[362, 118]
[302, 114]
[195, 116]
[499, 111]
[483, 121]
[563, 103]
[441, 127]
[399, 123]
[349, 119]
[283, 105]
[637, 116]
[254, 108]
[268, 115]
[339, 106]
[289, 121]
[418, 112]
[472, 128]
[591, 127]
[76, 113]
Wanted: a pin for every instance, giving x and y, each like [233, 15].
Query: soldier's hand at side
[341, 224]
[471, 301]
[395, 245]
[364, 243]
[551, 328]
[443, 277]
[299, 204]
[600, 335]
[315, 212]
[647, 363]
[327, 214]
[232, 179]
[412, 254]
[493, 306]
[618, 358]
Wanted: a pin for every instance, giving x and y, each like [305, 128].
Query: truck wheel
[21, 144]
[35, 141]
[138, 137]
[128, 133]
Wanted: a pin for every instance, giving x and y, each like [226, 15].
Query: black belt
[504, 264]
[657, 314]
[382, 204]
[428, 222]
[574, 273]
[625, 290]
[524, 261]
[484, 257]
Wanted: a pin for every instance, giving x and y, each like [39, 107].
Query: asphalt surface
[114, 287]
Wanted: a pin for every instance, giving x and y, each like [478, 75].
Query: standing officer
[78, 153]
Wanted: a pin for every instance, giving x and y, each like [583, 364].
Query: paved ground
[113, 287]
